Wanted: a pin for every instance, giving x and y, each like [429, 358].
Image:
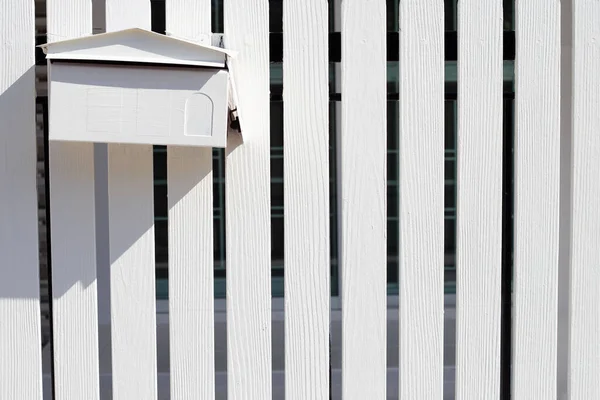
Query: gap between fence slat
[479, 199]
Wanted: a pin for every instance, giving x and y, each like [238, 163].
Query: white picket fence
[556, 220]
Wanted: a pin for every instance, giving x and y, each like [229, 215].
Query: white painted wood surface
[479, 201]
[74, 286]
[75, 301]
[421, 158]
[536, 200]
[363, 209]
[191, 283]
[306, 190]
[73, 238]
[363, 212]
[132, 290]
[189, 20]
[248, 212]
[191, 253]
[584, 365]
[20, 350]
[131, 231]
[125, 14]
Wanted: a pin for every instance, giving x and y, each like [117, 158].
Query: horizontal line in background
[393, 45]
[391, 96]
[335, 46]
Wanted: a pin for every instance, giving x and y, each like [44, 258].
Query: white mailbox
[137, 86]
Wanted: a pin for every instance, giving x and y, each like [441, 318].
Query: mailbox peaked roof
[136, 45]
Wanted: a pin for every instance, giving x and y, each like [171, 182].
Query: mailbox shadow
[130, 202]
[19, 265]
[134, 212]
[187, 167]
[235, 139]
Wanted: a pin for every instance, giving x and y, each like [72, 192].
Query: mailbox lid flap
[139, 46]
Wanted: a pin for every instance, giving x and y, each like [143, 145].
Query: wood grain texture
[20, 350]
[74, 287]
[421, 168]
[123, 14]
[191, 253]
[191, 283]
[131, 233]
[479, 201]
[119, 14]
[536, 202]
[363, 208]
[247, 199]
[132, 283]
[72, 211]
[188, 19]
[306, 191]
[68, 19]
[584, 365]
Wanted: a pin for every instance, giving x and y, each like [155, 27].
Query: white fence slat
[132, 284]
[537, 191]
[74, 285]
[131, 231]
[306, 190]
[102, 230]
[74, 288]
[20, 341]
[247, 199]
[191, 255]
[584, 365]
[124, 14]
[363, 187]
[479, 201]
[188, 19]
[191, 283]
[421, 158]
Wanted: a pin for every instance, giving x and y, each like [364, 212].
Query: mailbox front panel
[138, 104]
